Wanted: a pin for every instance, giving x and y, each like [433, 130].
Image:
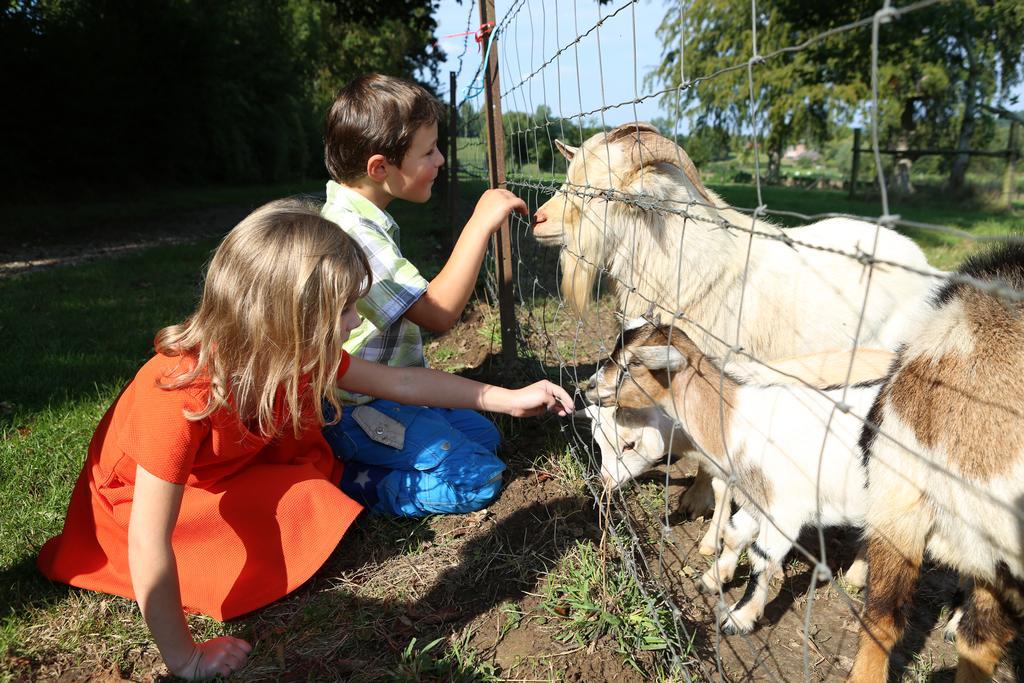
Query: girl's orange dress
[258, 516]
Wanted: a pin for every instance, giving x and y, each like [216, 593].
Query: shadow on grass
[67, 331]
[26, 587]
[332, 633]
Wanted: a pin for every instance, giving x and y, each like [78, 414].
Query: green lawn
[75, 335]
[85, 218]
[943, 250]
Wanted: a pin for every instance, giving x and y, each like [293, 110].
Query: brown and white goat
[946, 470]
[632, 442]
[793, 456]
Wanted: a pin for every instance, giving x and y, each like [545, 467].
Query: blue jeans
[447, 464]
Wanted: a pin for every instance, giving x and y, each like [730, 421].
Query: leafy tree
[470, 120]
[789, 101]
[937, 67]
[530, 138]
[103, 93]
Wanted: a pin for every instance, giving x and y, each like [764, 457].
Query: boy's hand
[494, 207]
[540, 397]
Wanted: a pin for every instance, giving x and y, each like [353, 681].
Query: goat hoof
[949, 632]
[857, 575]
[697, 502]
[733, 627]
[705, 587]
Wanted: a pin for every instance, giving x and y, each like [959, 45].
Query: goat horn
[651, 148]
[627, 129]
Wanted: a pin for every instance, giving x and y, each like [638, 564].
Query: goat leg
[701, 496]
[894, 561]
[740, 530]
[984, 632]
[857, 574]
[709, 544]
[766, 554]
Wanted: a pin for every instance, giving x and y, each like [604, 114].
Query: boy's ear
[376, 168]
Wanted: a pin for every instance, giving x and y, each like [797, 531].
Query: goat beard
[578, 278]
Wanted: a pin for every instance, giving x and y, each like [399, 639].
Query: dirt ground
[461, 576]
[788, 644]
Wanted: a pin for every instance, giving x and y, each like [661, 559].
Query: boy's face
[414, 179]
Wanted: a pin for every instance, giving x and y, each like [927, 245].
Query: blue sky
[539, 30]
[604, 59]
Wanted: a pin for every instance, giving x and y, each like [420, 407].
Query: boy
[381, 145]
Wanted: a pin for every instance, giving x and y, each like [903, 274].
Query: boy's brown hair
[374, 114]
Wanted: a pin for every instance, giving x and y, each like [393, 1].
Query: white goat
[946, 470]
[632, 442]
[794, 458]
[618, 210]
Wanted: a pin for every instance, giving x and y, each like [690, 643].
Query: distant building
[800, 151]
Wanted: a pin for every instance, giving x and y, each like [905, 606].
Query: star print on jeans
[360, 483]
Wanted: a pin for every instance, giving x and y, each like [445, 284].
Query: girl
[208, 484]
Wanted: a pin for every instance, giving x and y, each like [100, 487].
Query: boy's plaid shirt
[384, 336]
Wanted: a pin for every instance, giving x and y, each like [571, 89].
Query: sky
[608, 74]
[538, 31]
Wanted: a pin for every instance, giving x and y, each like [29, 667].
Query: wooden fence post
[442, 185]
[501, 241]
[1009, 173]
[855, 166]
[453, 155]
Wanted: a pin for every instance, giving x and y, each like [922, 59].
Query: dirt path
[105, 241]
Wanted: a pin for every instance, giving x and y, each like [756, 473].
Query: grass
[76, 221]
[977, 217]
[589, 599]
[74, 336]
[458, 664]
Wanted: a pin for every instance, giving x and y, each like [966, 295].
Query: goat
[944, 452]
[794, 458]
[633, 441]
[618, 211]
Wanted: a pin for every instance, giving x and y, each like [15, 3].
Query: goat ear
[633, 323]
[568, 151]
[660, 358]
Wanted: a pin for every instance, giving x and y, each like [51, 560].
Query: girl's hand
[540, 397]
[216, 657]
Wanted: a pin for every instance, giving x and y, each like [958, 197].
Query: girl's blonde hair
[270, 316]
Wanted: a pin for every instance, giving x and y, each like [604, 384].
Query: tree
[469, 120]
[103, 93]
[788, 100]
[937, 67]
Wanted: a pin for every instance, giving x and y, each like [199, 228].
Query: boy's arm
[154, 574]
[423, 386]
[440, 307]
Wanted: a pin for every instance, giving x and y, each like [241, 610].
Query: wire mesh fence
[770, 352]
